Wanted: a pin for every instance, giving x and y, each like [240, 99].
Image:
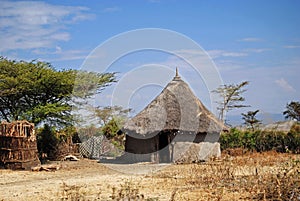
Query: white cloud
[111, 9]
[66, 55]
[71, 55]
[36, 24]
[198, 69]
[250, 40]
[263, 92]
[291, 46]
[58, 49]
[228, 65]
[284, 85]
[60, 54]
[257, 50]
[222, 53]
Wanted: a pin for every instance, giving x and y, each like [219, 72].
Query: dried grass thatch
[284, 126]
[175, 108]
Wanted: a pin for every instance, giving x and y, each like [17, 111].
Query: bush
[47, 142]
[239, 139]
[262, 140]
[111, 132]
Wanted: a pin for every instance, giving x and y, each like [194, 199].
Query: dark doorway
[164, 152]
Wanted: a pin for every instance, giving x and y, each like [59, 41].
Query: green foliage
[250, 120]
[106, 114]
[35, 91]
[292, 111]
[67, 133]
[50, 139]
[262, 140]
[239, 139]
[230, 97]
[88, 131]
[111, 119]
[47, 141]
[111, 129]
[87, 84]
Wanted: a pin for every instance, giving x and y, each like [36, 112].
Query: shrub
[262, 140]
[47, 142]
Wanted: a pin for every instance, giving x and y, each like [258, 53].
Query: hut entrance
[164, 151]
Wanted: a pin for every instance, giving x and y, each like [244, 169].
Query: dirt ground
[228, 178]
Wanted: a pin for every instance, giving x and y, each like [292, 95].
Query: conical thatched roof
[284, 126]
[175, 108]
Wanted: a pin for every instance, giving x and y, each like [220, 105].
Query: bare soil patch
[253, 176]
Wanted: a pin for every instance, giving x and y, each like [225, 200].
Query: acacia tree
[292, 110]
[231, 97]
[111, 118]
[108, 113]
[35, 91]
[250, 120]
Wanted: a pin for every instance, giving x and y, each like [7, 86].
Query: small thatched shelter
[170, 125]
[283, 126]
[18, 147]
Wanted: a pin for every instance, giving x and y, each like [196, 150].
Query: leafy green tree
[250, 120]
[231, 96]
[292, 111]
[35, 91]
[111, 119]
[111, 131]
[47, 141]
[111, 128]
[107, 113]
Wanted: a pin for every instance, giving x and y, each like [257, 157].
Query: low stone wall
[189, 152]
[180, 152]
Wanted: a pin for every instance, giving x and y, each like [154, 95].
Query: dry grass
[267, 176]
[251, 176]
[126, 191]
[255, 176]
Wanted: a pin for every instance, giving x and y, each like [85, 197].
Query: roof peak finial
[177, 77]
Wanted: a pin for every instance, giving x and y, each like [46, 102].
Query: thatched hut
[171, 125]
[283, 126]
[18, 146]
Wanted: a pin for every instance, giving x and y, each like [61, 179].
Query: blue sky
[252, 40]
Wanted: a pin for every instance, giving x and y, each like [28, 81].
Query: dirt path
[89, 180]
[88, 174]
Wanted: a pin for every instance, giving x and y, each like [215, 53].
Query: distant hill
[284, 126]
[267, 118]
